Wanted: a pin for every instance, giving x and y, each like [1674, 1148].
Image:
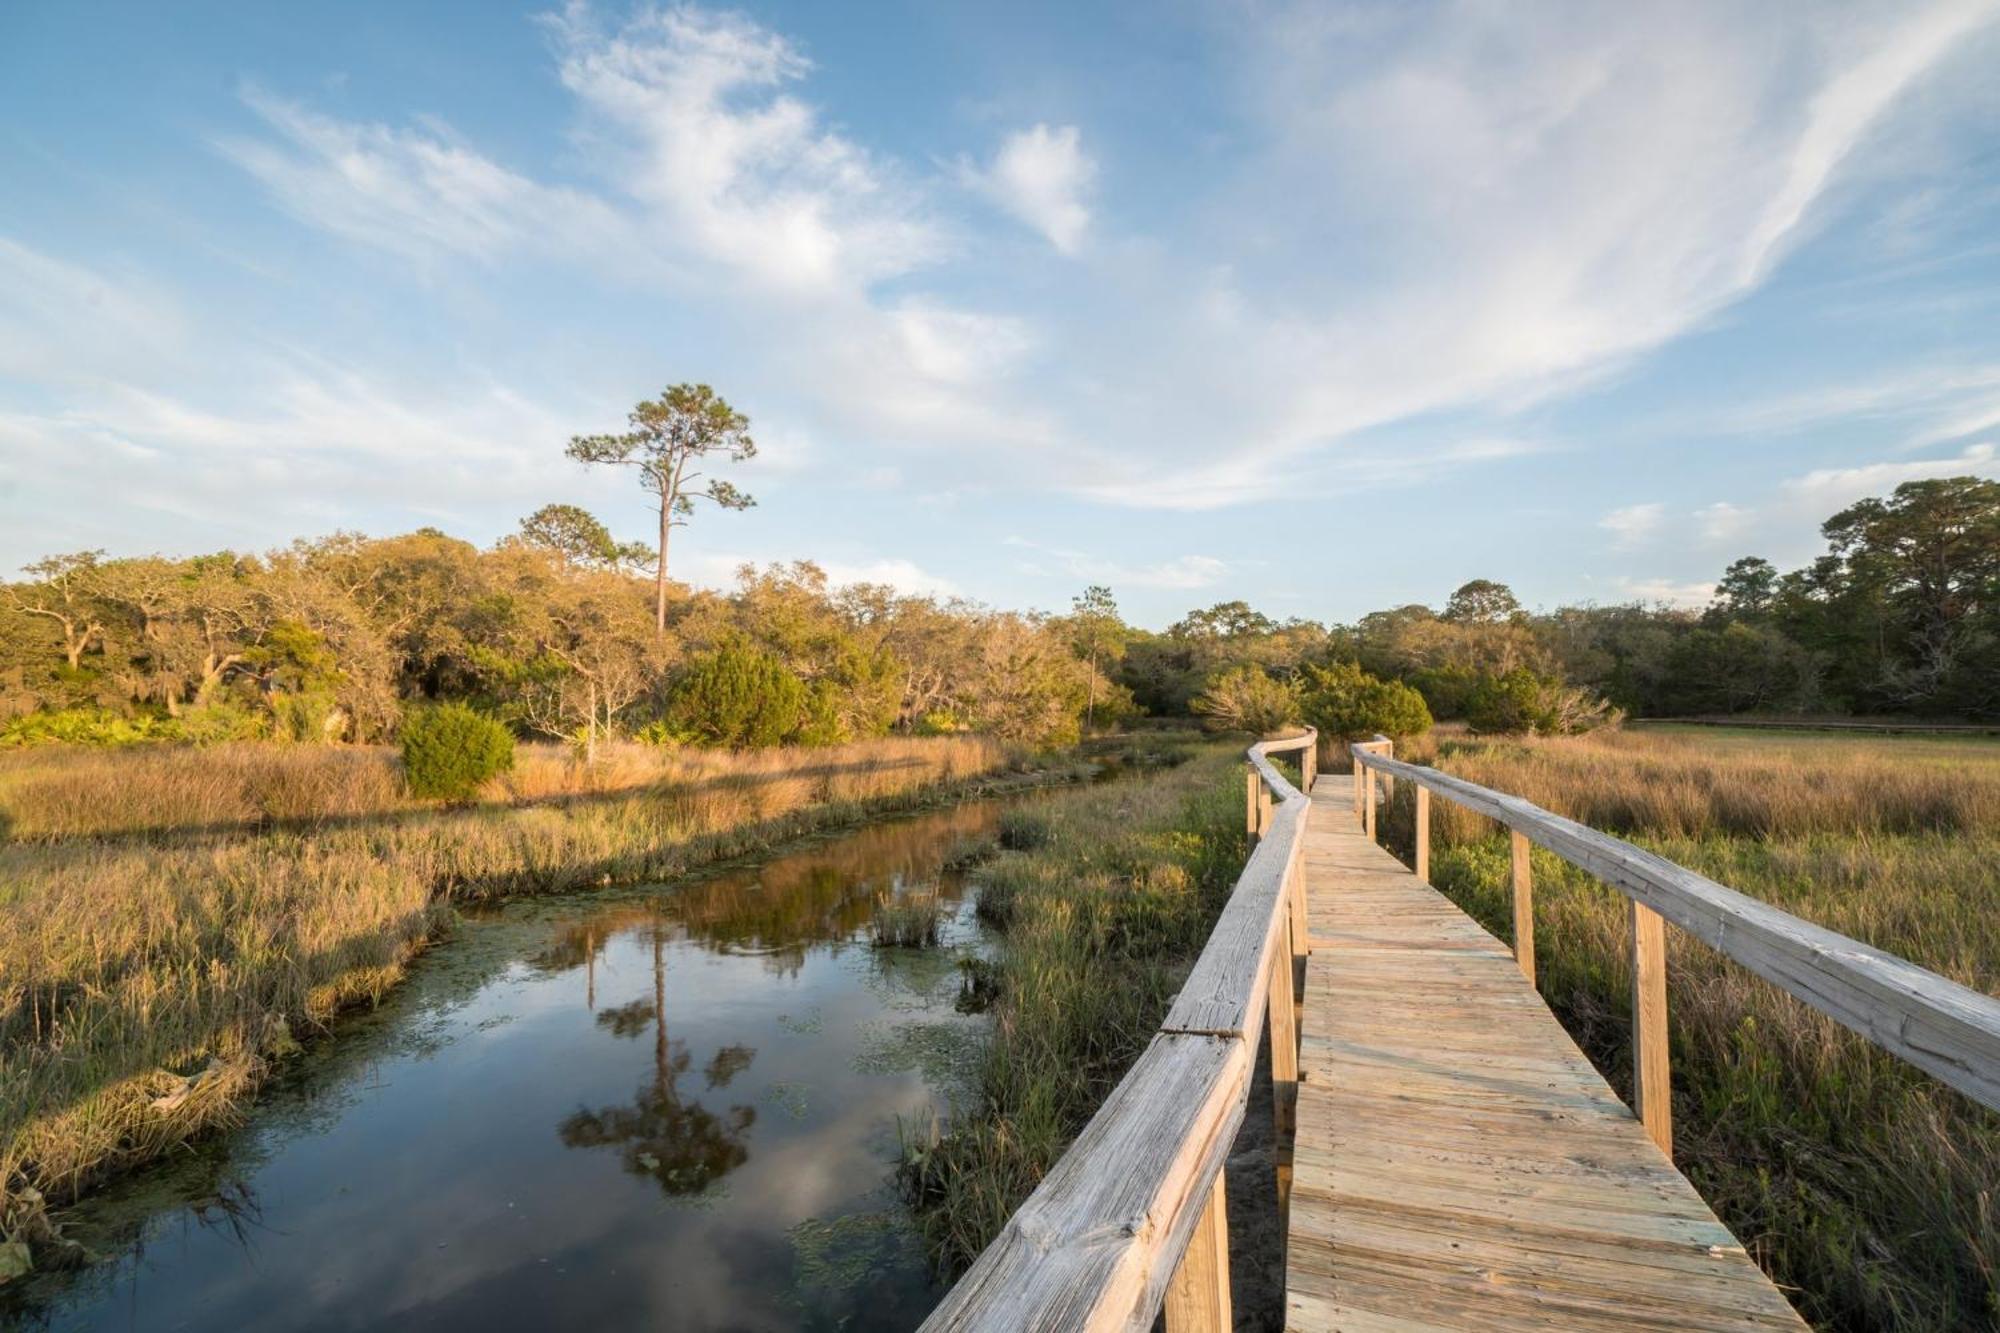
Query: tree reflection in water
[681, 1144]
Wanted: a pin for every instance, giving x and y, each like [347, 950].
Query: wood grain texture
[1523, 876]
[1652, 1087]
[1950, 1031]
[1423, 857]
[1198, 1296]
[1095, 1244]
[1459, 1164]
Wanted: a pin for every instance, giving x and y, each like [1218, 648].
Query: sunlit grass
[146, 980]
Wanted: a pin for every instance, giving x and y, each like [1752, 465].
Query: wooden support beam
[1424, 833]
[1652, 1075]
[1198, 1295]
[1283, 1033]
[1368, 804]
[1524, 908]
[1252, 785]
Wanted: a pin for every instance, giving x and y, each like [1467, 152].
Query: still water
[673, 1108]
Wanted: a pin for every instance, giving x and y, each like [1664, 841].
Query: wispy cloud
[1634, 525]
[1824, 490]
[1182, 572]
[1041, 175]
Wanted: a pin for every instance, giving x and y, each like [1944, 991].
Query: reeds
[1106, 898]
[906, 921]
[146, 977]
[1862, 1185]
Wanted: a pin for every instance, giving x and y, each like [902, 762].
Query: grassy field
[171, 919]
[1104, 897]
[1868, 1190]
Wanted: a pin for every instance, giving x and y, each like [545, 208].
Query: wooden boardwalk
[1458, 1162]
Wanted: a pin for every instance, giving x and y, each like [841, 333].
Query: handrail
[1131, 1217]
[1949, 1031]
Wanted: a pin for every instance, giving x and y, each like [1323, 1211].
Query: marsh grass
[1866, 1188]
[1102, 915]
[906, 921]
[145, 982]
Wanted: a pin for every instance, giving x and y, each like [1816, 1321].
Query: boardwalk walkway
[1459, 1163]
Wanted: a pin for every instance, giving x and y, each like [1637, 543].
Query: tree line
[555, 630]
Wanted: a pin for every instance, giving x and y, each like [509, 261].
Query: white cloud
[1723, 522]
[687, 110]
[1825, 490]
[417, 192]
[1040, 175]
[1634, 525]
[1524, 200]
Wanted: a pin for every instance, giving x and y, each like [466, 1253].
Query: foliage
[1346, 702]
[450, 750]
[682, 428]
[1522, 701]
[1247, 699]
[85, 726]
[736, 696]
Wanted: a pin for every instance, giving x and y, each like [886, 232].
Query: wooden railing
[1131, 1219]
[1950, 1031]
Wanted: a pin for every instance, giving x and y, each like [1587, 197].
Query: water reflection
[681, 1144]
[673, 1108]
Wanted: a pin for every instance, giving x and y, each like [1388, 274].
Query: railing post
[1198, 1294]
[1652, 1077]
[1282, 1029]
[1368, 804]
[1263, 810]
[1354, 763]
[1524, 908]
[1423, 833]
[1252, 785]
[1300, 945]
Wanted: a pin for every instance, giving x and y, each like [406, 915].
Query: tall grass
[145, 982]
[1867, 1189]
[1105, 899]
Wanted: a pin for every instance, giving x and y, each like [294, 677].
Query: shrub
[1247, 699]
[1521, 701]
[738, 697]
[82, 726]
[1346, 702]
[449, 750]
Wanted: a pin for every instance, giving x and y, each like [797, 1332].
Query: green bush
[1521, 701]
[449, 750]
[1248, 699]
[736, 696]
[1345, 702]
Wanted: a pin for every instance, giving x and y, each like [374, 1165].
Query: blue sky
[1326, 306]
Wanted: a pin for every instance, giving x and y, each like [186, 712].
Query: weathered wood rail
[1949, 1031]
[1131, 1223]
[1132, 1219]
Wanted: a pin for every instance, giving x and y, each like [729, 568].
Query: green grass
[1864, 1187]
[1104, 906]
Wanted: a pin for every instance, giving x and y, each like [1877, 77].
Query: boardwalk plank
[1459, 1163]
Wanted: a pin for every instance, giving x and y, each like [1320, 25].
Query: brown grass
[1862, 1185]
[145, 981]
